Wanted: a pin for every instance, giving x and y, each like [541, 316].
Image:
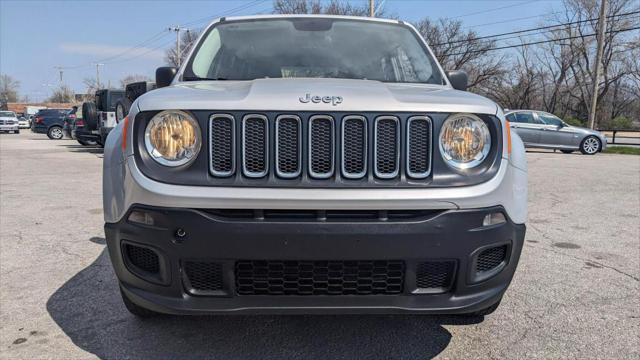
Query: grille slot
[321, 146]
[419, 147]
[222, 135]
[255, 141]
[383, 277]
[354, 147]
[491, 258]
[142, 258]
[387, 147]
[203, 276]
[434, 276]
[288, 146]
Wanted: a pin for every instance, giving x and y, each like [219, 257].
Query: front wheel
[55, 133]
[590, 145]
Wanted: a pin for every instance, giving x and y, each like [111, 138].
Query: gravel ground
[576, 293]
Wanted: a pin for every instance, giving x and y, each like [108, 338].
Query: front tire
[590, 145]
[55, 133]
[135, 309]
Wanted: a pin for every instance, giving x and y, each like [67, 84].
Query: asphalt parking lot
[576, 293]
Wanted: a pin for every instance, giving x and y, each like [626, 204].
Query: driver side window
[550, 119]
[526, 117]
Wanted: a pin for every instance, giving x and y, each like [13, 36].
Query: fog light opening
[494, 219]
[141, 217]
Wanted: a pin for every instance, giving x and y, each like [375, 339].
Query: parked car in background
[9, 122]
[50, 122]
[100, 115]
[539, 129]
[23, 122]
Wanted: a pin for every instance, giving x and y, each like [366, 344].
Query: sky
[38, 36]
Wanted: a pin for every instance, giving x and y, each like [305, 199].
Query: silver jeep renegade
[313, 164]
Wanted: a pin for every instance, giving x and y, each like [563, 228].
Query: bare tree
[8, 88]
[456, 48]
[92, 87]
[615, 62]
[62, 94]
[133, 78]
[187, 40]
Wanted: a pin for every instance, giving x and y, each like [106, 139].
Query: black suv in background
[50, 122]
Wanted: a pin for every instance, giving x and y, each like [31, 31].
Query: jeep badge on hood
[334, 100]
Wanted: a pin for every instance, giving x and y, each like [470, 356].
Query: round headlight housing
[172, 138]
[465, 141]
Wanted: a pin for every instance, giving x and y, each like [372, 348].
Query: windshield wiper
[198, 78]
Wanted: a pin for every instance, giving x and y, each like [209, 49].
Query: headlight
[172, 138]
[465, 141]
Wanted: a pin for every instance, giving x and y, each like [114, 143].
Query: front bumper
[456, 236]
[9, 127]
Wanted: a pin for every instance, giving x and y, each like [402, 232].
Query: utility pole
[372, 8]
[177, 29]
[602, 32]
[98, 74]
[61, 70]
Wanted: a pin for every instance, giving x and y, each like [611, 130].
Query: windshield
[7, 114]
[312, 48]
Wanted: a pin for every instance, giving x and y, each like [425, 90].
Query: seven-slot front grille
[264, 277]
[348, 149]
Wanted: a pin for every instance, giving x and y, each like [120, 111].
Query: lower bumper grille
[491, 258]
[142, 258]
[203, 276]
[435, 276]
[384, 277]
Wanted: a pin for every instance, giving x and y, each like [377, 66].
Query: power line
[491, 10]
[511, 20]
[543, 42]
[228, 12]
[536, 29]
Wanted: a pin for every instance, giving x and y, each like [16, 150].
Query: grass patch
[627, 150]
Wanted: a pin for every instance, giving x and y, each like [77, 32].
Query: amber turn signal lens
[172, 138]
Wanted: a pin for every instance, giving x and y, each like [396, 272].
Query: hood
[314, 95]
[8, 118]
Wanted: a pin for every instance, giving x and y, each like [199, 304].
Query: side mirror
[165, 75]
[458, 79]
